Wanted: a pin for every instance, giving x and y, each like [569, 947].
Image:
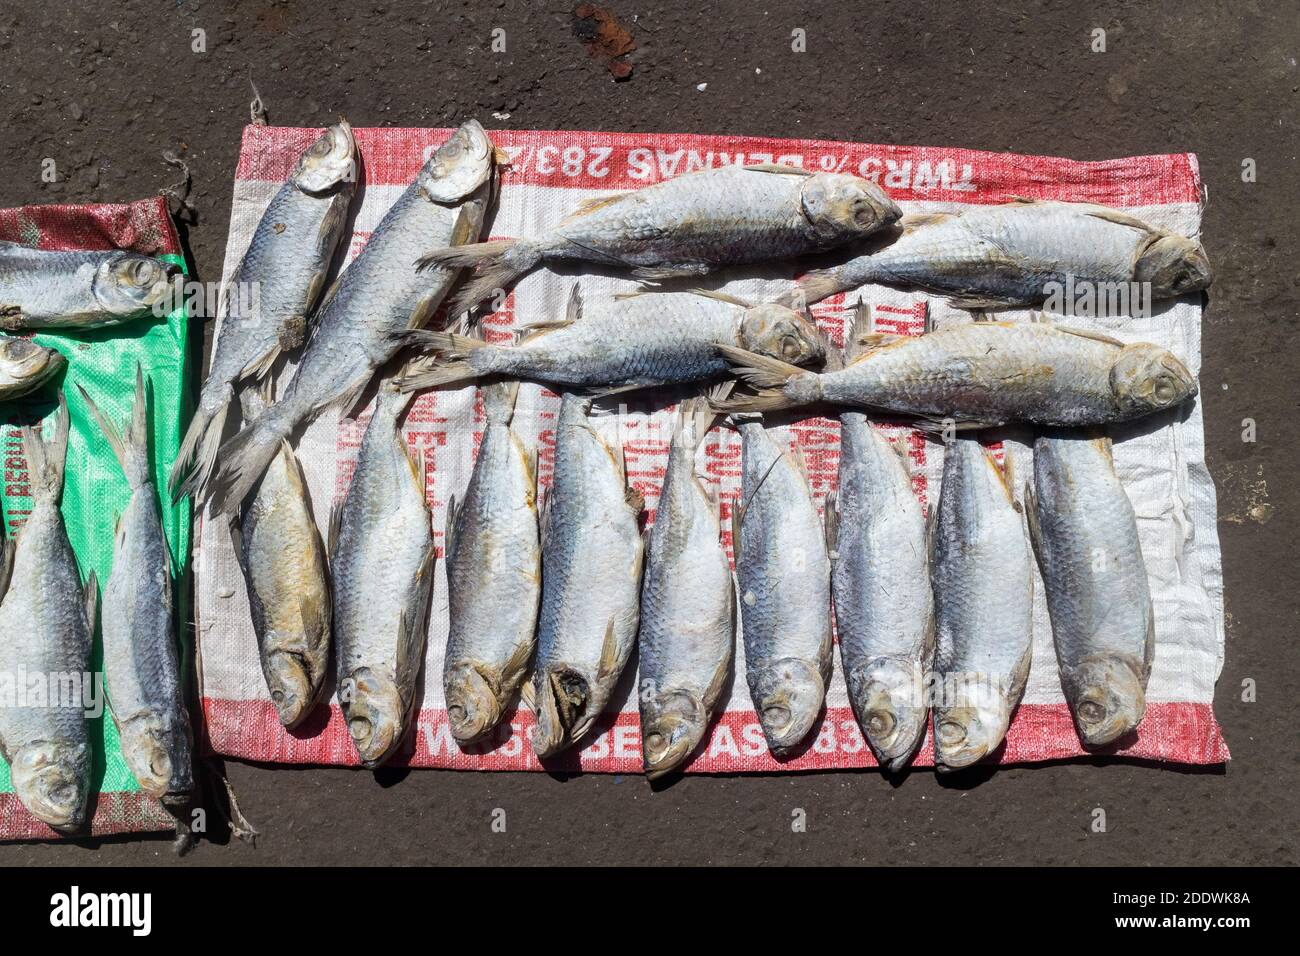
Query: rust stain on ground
[604, 37]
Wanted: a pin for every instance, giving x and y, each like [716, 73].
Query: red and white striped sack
[551, 172]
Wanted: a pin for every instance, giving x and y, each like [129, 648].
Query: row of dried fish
[48, 619]
[970, 376]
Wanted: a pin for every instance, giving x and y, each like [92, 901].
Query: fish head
[888, 699]
[52, 780]
[127, 283]
[472, 705]
[1147, 378]
[672, 726]
[290, 685]
[154, 747]
[459, 166]
[782, 333]
[329, 161]
[1173, 265]
[22, 360]
[561, 695]
[840, 206]
[375, 714]
[788, 694]
[973, 723]
[1106, 696]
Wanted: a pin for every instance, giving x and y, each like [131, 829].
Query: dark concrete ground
[104, 89]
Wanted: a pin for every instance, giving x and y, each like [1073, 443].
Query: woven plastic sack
[551, 172]
[95, 490]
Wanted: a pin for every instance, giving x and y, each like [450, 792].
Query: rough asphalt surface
[105, 89]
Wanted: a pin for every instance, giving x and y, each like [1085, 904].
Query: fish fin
[1124, 219]
[721, 297]
[635, 500]
[779, 168]
[1030, 499]
[1089, 334]
[531, 331]
[449, 532]
[438, 373]
[764, 400]
[450, 343]
[719, 680]
[831, 523]
[798, 458]
[335, 526]
[331, 226]
[528, 694]
[813, 287]
[243, 461]
[573, 307]
[608, 667]
[200, 444]
[737, 519]
[931, 529]
[489, 258]
[262, 365]
[111, 434]
[761, 371]
[932, 425]
[927, 318]
[1106, 447]
[90, 599]
[516, 665]
[413, 627]
[590, 205]
[45, 459]
[915, 220]
[864, 345]
[980, 303]
[681, 270]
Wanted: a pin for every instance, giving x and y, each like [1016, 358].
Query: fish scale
[274, 290]
[1007, 254]
[784, 576]
[47, 631]
[687, 628]
[884, 608]
[592, 552]
[983, 605]
[382, 555]
[378, 299]
[1098, 598]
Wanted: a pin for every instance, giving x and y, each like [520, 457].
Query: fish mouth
[472, 706]
[788, 694]
[50, 780]
[329, 161]
[33, 363]
[885, 696]
[565, 710]
[1107, 699]
[290, 687]
[672, 727]
[460, 165]
[375, 716]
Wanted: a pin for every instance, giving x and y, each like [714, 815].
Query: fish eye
[1091, 711]
[1165, 390]
[951, 733]
[790, 347]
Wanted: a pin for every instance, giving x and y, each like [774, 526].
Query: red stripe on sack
[248, 729]
[114, 813]
[143, 226]
[590, 160]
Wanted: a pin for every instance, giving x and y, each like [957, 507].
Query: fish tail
[199, 446]
[130, 447]
[45, 459]
[454, 364]
[243, 461]
[500, 263]
[761, 371]
[815, 286]
[766, 400]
